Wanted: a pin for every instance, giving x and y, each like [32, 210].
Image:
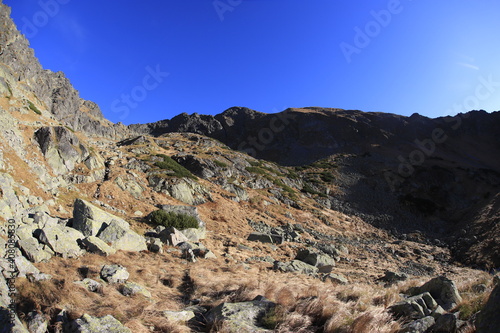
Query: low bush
[169, 164]
[175, 220]
[34, 108]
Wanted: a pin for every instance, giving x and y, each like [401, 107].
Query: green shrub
[308, 189]
[327, 176]
[34, 108]
[255, 169]
[175, 220]
[220, 164]
[169, 164]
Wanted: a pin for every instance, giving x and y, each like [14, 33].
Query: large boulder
[89, 324]
[33, 250]
[443, 290]
[244, 317]
[122, 238]
[419, 326]
[91, 220]
[315, 258]
[295, 266]
[95, 245]
[415, 307]
[172, 236]
[489, 319]
[62, 240]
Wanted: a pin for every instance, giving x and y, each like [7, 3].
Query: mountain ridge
[364, 208]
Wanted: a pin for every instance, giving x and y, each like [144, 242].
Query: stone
[330, 249]
[314, 258]
[122, 238]
[173, 237]
[89, 324]
[179, 316]
[96, 245]
[132, 288]
[194, 234]
[91, 220]
[36, 322]
[90, 285]
[188, 254]
[419, 326]
[295, 266]
[32, 250]
[391, 278]
[260, 237]
[446, 323]
[26, 231]
[154, 245]
[114, 273]
[62, 240]
[443, 290]
[488, 320]
[415, 307]
[336, 278]
[25, 267]
[243, 317]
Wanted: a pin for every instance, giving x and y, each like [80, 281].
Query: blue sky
[144, 61]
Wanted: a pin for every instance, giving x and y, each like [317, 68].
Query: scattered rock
[90, 285]
[37, 323]
[314, 258]
[91, 220]
[179, 316]
[244, 317]
[295, 266]
[172, 236]
[443, 290]
[154, 245]
[132, 288]
[419, 326]
[194, 234]
[391, 278]
[336, 278]
[114, 273]
[33, 250]
[447, 322]
[62, 240]
[260, 237]
[415, 307]
[122, 238]
[89, 324]
[98, 246]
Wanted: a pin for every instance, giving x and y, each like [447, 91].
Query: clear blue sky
[144, 61]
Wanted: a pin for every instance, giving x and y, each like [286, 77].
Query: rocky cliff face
[51, 92]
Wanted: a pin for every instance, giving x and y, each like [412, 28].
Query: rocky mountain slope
[310, 227]
[436, 177]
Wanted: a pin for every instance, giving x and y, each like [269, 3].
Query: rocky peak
[22, 73]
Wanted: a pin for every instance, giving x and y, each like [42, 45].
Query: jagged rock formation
[24, 78]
